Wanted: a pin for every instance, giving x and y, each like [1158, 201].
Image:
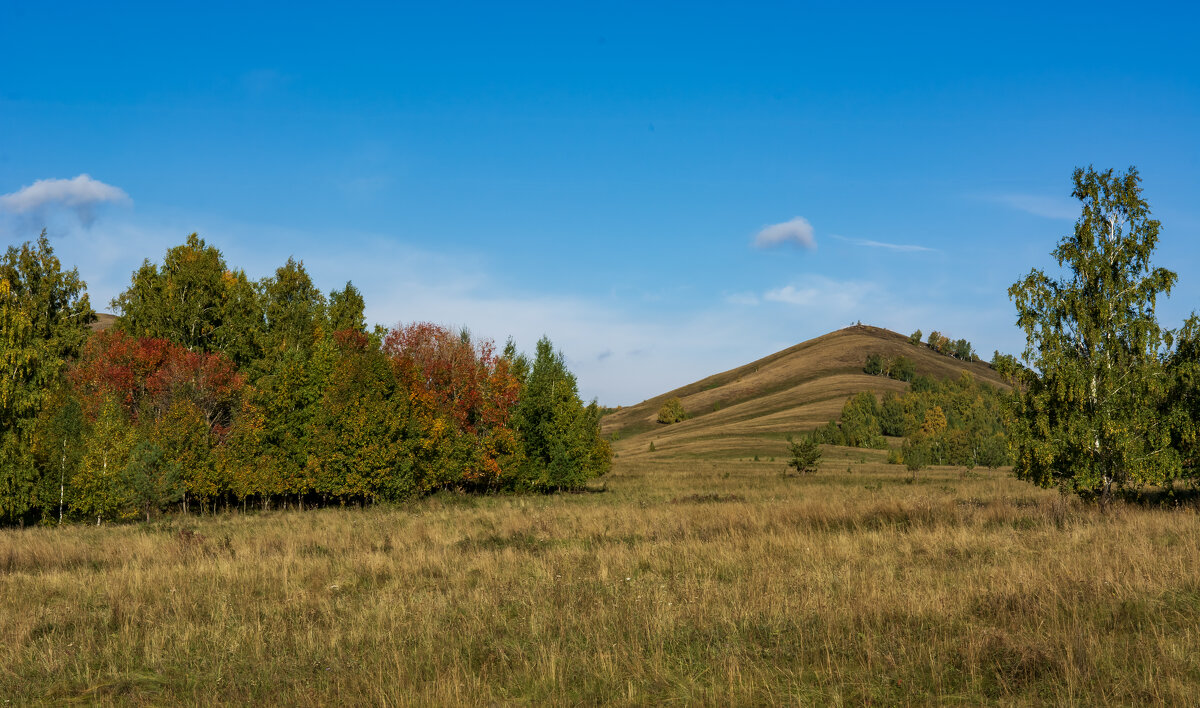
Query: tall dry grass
[701, 582]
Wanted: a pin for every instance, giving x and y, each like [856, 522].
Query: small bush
[672, 412]
[805, 454]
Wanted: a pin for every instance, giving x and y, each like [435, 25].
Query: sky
[666, 190]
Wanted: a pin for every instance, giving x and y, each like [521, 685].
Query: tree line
[957, 348]
[212, 390]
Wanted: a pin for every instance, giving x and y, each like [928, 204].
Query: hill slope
[751, 409]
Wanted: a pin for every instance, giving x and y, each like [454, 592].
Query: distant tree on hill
[915, 337]
[672, 412]
[1004, 364]
[962, 349]
[875, 365]
[902, 369]
[860, 421]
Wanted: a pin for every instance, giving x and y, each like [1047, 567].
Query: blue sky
[601, 173]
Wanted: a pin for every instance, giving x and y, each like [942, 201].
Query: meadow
[714, 581]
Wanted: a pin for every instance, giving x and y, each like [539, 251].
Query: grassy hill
[751, 409]
[103, 321]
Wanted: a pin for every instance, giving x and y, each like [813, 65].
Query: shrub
[805, 454]
[875, 365]
[672, 412]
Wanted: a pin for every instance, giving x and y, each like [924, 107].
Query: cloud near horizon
[797, 231]
[840, 298]
[80, 195]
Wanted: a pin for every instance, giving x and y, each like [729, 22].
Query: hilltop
[749, 410]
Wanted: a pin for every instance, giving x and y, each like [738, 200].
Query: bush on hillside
[874, 365]
[672, 412]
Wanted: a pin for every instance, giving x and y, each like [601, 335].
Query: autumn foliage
[286, 400]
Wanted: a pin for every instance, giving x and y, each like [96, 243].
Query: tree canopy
[215, 390]
[1090, 411]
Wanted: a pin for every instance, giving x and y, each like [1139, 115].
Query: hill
[751, 409]
[103, 321]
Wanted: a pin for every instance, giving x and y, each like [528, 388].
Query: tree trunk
[62, 487]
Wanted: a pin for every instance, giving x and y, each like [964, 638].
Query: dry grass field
[708, 581]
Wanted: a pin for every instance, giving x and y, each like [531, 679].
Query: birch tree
[1085, 414]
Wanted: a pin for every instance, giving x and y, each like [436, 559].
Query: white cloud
[902, 247]
[831, 298]
[1038, 205]
[80, 195]
[797, 230]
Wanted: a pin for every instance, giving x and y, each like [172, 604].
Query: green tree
[360, 437]
[295, 310]
[860, 421]
[902, 369]
[181, 301]
[44, 318]
[346, 307]
[672, 412]
[58, 449]
[891, 415]
[1181, 409]
[805, 454]
[1086, 413]
[875, 365]
[151, 481]
[193, 299]
[560, 435]
[915, 337]
[99, 485]
[183, 440]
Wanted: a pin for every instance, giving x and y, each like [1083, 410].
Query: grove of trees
[213, 390]
[940, 343]
[953, 422]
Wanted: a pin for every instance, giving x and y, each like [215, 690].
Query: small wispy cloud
[797, 231]
[80, 195]
[901, 247]
[843, 297]
[1037, 204]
